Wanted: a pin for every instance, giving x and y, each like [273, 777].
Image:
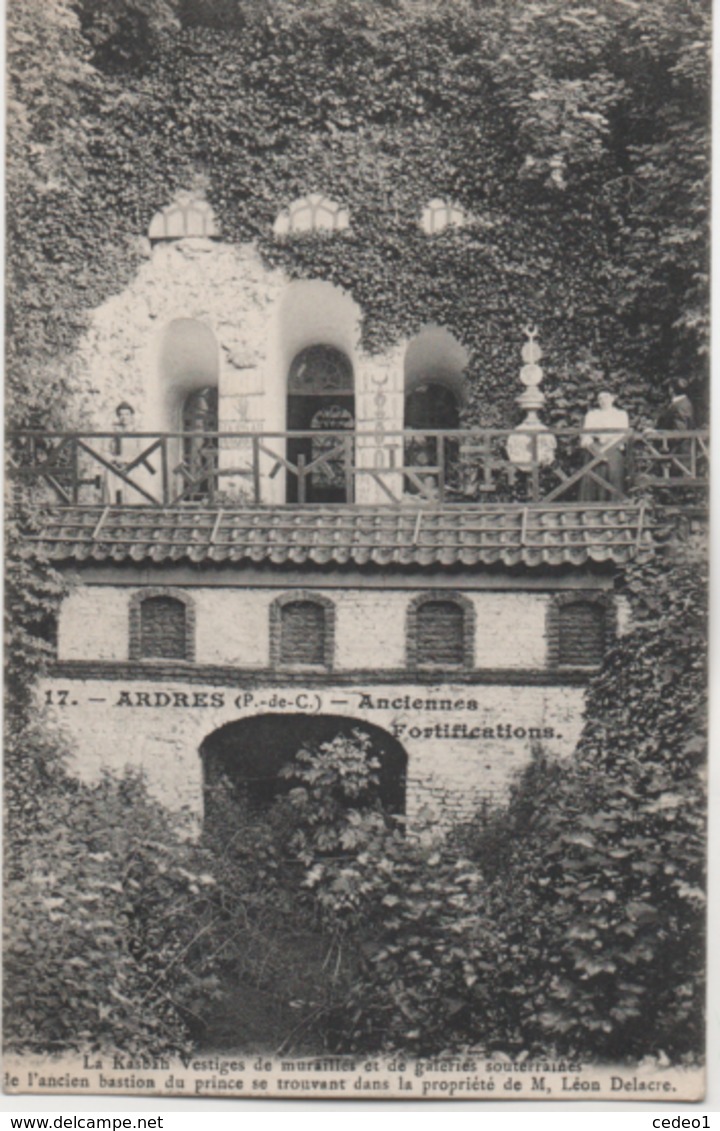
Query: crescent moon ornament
[531, 352]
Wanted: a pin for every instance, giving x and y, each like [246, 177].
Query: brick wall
[509, 630]
[464, 742]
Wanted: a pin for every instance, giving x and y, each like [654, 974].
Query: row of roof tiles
[469, 536]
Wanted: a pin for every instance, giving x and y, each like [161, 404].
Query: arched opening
[200, 445]
[440, 634]
[189, 378]
[163, 630]
[162, 625]
[435, 393]
[304, 631]
[312, 361]
[441, 631]
[581, 633]
[320, 401]
[248, 755]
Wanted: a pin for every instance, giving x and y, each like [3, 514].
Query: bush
[427, 977]
[599, 894]
[575, 925]
[108, 905]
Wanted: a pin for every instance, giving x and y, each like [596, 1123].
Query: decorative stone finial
[522, 449]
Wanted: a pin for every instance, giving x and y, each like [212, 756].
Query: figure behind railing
[125, 453]
[198, 469]
[605, 446]
[121, 451]
[678, 415]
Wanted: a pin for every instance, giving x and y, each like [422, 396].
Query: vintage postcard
[357, 477]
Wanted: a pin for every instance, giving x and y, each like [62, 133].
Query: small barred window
[312, 213]
[302, 633]
[439, 214]
[581, 633]
[163, 628]
[440, 630]
[186, 216]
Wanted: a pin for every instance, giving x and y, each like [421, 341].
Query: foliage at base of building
[570, 922]
[104, 941]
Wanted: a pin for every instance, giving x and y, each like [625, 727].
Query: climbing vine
[574, 138]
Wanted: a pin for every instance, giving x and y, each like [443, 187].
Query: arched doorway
[320, 400]
[435, 393]
[249, 754]
[200, 445]
[189, 363]
[432, 405]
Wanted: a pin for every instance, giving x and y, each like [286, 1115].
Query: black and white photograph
[357, 407]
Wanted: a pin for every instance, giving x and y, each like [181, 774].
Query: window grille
[163, 628]
[302, 633]
[312, 213]
[439, 214]
[440, 631]
[581, 633]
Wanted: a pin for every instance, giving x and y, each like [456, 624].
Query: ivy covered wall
[574, 137]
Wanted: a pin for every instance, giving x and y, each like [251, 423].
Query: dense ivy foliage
[574, 920]
[606, 865]
[33, 590]
[574, 136]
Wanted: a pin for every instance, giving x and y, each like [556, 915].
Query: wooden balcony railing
[434, 466]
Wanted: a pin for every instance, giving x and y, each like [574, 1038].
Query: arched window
[312, 213]
[579, 627]
[161, 626]
[188, 378]
[440, 632]
[320, 401]
[435, 392]
[581, 633]
[302, 631]
[187, 216]
[437, 215]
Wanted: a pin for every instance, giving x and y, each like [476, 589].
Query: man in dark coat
[678, 415]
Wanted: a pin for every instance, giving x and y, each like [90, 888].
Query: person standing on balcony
[601, 437]
[678, 415]
[123, 450]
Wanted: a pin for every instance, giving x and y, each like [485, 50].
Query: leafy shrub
[598, 896]
[107, 903]
[575, 923]
[281, 944]
[337, 792]
[427, 977]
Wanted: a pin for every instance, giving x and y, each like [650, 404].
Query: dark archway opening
[200, 445]
[321, 401]
[249, 754]
[430, 406]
